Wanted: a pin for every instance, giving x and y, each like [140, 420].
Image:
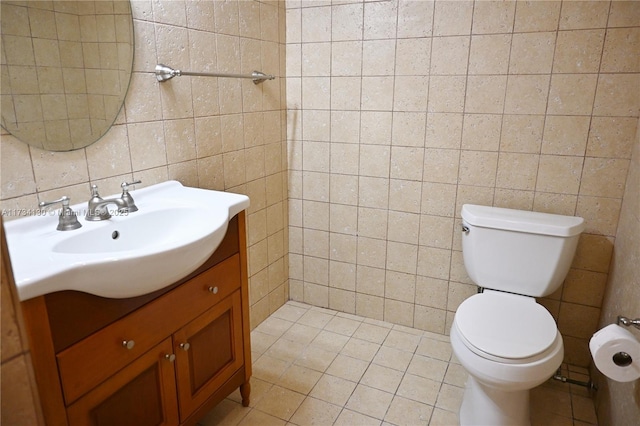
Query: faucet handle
[127, 198]
[68, 219]
[64, 200]
[125, 185]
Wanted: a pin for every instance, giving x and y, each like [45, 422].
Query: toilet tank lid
[522, 221]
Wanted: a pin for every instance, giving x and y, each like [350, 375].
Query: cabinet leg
[245, 390]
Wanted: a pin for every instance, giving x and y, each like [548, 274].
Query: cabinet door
[208, 352]
[143, 393]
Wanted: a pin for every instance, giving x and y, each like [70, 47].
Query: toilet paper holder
[623, 359]
[629, 322]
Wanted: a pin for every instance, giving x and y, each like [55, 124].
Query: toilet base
[483, 405]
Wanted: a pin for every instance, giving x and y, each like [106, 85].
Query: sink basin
[139, 232]
[175, 230]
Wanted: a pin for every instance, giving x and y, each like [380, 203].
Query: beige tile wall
[401, 111]
[223, 134]
[618, 403]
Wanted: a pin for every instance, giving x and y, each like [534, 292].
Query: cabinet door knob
[213, 290]
[185, 346]
[129, 344]
[170, 357]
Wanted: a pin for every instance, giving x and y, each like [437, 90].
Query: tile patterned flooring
[314, 366]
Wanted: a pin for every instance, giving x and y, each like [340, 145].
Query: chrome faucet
[97, 206]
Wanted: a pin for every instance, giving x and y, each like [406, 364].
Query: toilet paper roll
[616, 353]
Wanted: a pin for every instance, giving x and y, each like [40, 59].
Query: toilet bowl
[505, 340]
[508, 344]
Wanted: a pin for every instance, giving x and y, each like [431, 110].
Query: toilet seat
[505, 327]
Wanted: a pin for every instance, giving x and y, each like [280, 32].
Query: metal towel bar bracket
[164, 73]
[627, 321]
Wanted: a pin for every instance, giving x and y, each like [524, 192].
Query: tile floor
[314, 366]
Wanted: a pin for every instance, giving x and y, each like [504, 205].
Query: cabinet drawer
[94, 359]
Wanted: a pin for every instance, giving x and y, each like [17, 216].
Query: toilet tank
[518, 251]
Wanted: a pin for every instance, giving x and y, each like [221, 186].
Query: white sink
[175, 230]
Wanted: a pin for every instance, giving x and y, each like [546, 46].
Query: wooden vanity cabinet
[143, 393]
[160, 359]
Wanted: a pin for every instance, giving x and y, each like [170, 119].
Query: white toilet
[506, 341]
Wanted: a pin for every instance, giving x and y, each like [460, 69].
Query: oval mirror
[66, 67]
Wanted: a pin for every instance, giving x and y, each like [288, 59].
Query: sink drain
[115, 235]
